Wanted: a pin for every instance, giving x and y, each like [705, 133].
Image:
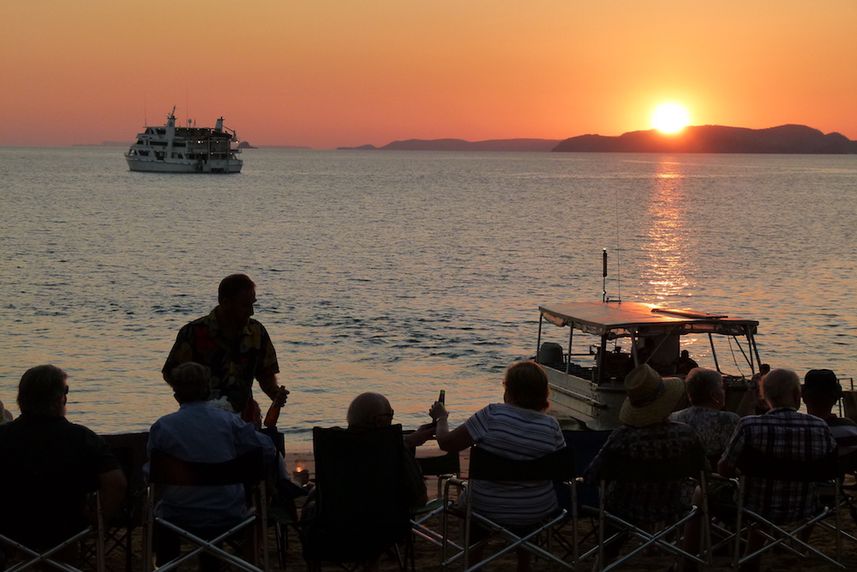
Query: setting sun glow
[670, 118]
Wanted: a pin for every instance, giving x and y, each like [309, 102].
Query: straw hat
[650, 398]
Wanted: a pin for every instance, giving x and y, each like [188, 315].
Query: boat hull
[595, 406]
[212, 166]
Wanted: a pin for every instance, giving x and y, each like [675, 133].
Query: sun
[670, 117]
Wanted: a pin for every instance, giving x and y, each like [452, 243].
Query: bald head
[781, 388]
[369, 410]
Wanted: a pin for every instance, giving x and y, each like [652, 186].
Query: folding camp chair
[52, 555]
[130, 450]
[754, 464]
[586, 445]
[443, 467]
[621, 469]
[557, 467]
[247, 469]
[360, 509]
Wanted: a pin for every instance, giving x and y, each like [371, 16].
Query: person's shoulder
[681, 415]
[841, 422]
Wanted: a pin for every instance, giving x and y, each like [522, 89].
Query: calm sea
[410, 272]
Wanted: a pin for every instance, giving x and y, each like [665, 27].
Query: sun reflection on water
[667, 269]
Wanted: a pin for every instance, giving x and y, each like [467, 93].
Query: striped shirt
[522, 435]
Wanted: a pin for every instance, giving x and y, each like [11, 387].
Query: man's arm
[268, 383]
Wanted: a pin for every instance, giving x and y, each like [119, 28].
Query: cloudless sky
[325, 73]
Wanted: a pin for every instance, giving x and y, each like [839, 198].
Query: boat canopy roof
[618, 319]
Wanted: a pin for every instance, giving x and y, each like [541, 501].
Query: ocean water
[407, 272]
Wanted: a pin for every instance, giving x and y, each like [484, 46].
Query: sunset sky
[324, 73]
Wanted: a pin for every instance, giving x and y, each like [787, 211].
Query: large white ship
[191, 149]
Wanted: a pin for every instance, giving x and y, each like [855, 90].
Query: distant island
[245, 145]
[462, 145]
[798, 139]
[715, 139]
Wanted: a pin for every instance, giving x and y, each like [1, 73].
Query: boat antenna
[604, 297]
[603, 274]
[618, 266]
[145, 112]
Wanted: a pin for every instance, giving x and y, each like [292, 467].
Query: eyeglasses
[65, 390]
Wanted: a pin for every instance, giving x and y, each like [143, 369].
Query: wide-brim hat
[650, 398]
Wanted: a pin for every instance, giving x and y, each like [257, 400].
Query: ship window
[139, 141]
[162, 131]
[179, 144]
[159, 143]
[143, 153]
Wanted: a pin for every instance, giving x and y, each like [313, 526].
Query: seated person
[50, 465]
[706, 396]
[517, 429]
[372, 410]
[820, 392]
[200, 432]
[685, 363]
[647, 434]
[786, 434]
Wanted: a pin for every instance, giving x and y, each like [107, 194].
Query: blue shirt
[201, 433]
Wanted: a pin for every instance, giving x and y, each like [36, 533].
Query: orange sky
[324, 73]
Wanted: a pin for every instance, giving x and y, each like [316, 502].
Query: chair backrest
[756, 463]
[165, 469]
[362, 502]
[130, 451]
[586, 445]
[359, 474]
[618, 467]
[556, 466]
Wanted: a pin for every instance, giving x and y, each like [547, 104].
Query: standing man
[235, 348]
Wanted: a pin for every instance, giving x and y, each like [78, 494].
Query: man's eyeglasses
[65, 390]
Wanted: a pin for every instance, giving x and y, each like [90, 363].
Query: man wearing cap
[820, 392]
[647, 434]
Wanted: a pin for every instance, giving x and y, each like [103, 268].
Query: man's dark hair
[190, 382]
[40, 389]
[527, 385]
[233, 285]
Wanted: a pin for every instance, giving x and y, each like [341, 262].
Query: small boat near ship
[191, 149]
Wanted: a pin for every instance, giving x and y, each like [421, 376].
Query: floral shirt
[642, 502]
[233, 362]
[714, 427]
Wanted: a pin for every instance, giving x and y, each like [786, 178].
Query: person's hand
[420, 436]
[438, 411]
[282, 396]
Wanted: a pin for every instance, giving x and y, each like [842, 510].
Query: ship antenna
[145, 112]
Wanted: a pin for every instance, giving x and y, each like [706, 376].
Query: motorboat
[587, 383]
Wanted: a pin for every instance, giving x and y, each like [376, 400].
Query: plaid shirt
[781, 433]
[233, 362]
[647, 501]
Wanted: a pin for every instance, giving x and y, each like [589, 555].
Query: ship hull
[213, 166]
